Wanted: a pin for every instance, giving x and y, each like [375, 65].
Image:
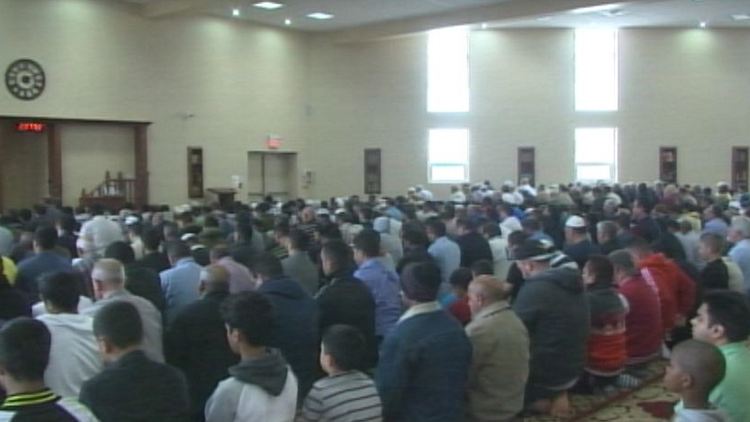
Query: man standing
[46, 260]
[446, 252]
[739, 235]
[132, 387]
[474, 247]
[180, 283]
[99, 232]
[297, 265]
[500, 364]
[424, 362]
[240, 278]
[382, 282]
[553, 306]
[196, 339]
[578, 245]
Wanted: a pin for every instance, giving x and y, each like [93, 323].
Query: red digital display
[35, 127]
[273, 143]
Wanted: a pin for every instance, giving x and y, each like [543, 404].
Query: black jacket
[296, 333]
[346, 300]
[144, 282]
[474, 247]
[553, 306]
[196, 342]
[135, 388]
[157, 261]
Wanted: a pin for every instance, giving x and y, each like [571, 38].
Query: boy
[347, 394]
[694, 369]
[262, 386]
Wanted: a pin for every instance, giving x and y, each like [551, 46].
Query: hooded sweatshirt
[553, 306]
[259, 390]
[676, 290]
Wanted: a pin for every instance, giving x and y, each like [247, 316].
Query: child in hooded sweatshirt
[262, 386]
[694, 369]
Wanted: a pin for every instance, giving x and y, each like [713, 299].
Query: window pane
[448, 146]
[595, 145]
[447, 173]
[592, 173]
[448, 70]
[596, 69]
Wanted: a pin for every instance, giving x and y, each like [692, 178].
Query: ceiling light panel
[268, 5]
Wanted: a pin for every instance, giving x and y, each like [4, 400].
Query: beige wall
[225, 85]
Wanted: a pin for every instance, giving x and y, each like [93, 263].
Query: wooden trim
[53, 120]
[54, 163]
[141, 165]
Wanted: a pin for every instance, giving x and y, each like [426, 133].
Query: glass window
[596, 154]
[448, 70]
[448, 155]
[596, 69]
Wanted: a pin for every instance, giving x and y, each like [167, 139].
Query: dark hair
[252, 315]
[483, 267]
[622, 260]
[178, 249]
[461, 277]
[67, 223]
[119, 323]
[639, 244]
[24, 348]
[46, 237]
[299, 240]
[466, 223]
[602, 268]
[346, 345]
[531, 224]
[491, 229]
[267, 265]
[338, 252]
[244, 230]
[517, 238]
[152, 239]
[329, 231]
[435, 225]
[415, 237]
[423, 276]
[730, 310]
[121, 251]
[60, 289]
[368, 241]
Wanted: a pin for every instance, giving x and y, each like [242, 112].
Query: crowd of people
[490, 305]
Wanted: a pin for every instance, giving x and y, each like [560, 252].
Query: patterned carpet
[648, 403]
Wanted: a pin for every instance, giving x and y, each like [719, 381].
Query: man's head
[59, 292]
[723, 317]
[739, 229]
[459, 281]
[118, 329]
[266, 266]
[623, 265]
[249, 320]
[24, 351]
[343, 349]
[366, 245]
[639, 249]
[414, 238]
[490, 230]
[214, 279]
[575, 228]
[177, 250]
[606, 231]
[420, 282]
[107, 276]
[695, 367]
[335, 256]
[642, 208]
[485, 291]
[711, 212]
[308, 215]
[532, 257]
[465, 226]
[482, 267]
[598, 269]
[298, 240]
[121, 251]
[434, 228]
[45, 239]
[219, 252]
[151, 240]
[531, 225]
[711, 246]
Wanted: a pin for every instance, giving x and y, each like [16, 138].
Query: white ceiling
[354, 14]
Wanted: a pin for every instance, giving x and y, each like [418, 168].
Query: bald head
[214, 278]
[702, 361]
[108, 275]
[486, 290]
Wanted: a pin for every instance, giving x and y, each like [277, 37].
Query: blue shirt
[740, 254]
[384, 286]
[180, 285]
[447, 256]
[30, 269]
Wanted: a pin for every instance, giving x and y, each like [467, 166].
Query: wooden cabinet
[526, 164]
[373, 180]
[739, 168]
[195, 172]
[668, 164]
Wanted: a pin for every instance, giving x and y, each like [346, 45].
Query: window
[596, 69]
[448, 70]
[448, 155]
[596, 154]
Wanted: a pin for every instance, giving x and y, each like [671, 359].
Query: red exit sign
[30, 127]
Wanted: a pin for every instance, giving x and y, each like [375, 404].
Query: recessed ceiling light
[484, 25]
[235, 12]
[269, 5]
[703, 24]
[287, 21]
[741, 17]
[320, 15]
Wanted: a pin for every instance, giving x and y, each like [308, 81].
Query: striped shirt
[347, 397]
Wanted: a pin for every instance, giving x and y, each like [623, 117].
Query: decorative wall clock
[25, 79]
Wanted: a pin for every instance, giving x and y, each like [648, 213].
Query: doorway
[271, 173]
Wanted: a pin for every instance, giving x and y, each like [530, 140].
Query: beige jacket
[500, 364]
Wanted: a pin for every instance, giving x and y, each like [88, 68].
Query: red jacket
[676, 289]
[643, 333]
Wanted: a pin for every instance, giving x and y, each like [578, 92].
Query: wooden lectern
[224, 196]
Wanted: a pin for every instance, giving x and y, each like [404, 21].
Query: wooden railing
[111, 193]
